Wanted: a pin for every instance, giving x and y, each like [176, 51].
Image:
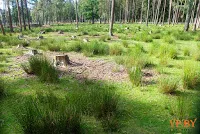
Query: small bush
[1, 87]
[116, 49]
[168, 85]
[191, 75]
[41, 67]
[135, 75]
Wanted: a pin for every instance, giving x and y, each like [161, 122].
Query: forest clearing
[122, 77]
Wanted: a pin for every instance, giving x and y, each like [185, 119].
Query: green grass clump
[47, 114]
[41, 67]
[169, 39]
[54, 47]
[196, 55]
[153, 48]
[107, 110]
[168, 85]
[95, 48]
[2, 87]
[167, 50]
[116, 49]
[137, 58]
[191, 75]
[180, 35]
[145, 37]
[125, 43]
[75, 46]
[186, 51]
[135, 75]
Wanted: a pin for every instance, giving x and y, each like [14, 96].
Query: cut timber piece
[40, 37]
[42, 32]
[60, 32]
[33, 52]
[85, 40]
[73, 37]
[61, 60]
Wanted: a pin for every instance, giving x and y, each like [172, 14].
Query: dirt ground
[82, 67]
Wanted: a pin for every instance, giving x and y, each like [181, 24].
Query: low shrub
[168, 85]
[191, 75]
[135, 75]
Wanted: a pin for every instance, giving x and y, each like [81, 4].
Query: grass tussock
[95, 48]
[42, 68]
[135, 75]
[191, 75]
[48, 114]
[116, 49]
[168, 85]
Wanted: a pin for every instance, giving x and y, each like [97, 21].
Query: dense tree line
[158, 12]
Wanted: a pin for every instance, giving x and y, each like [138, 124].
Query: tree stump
[60, 32]
[33, 52]
[42, 32]
[73, 37]
[61, 60]
[85, 40]
[40, 37]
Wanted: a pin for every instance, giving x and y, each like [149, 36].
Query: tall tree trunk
[141, 15]
[19, 15]
[170, 9]
[77, 15]
[2, 28]
[158, 12]
[126, 11]
[112, 18]
[197, 16]
[163, 18]
[23, 16]
[9, 17]
[133, 11]
[187, 21]
[28, 15]
[153, 12]
[147, 18]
